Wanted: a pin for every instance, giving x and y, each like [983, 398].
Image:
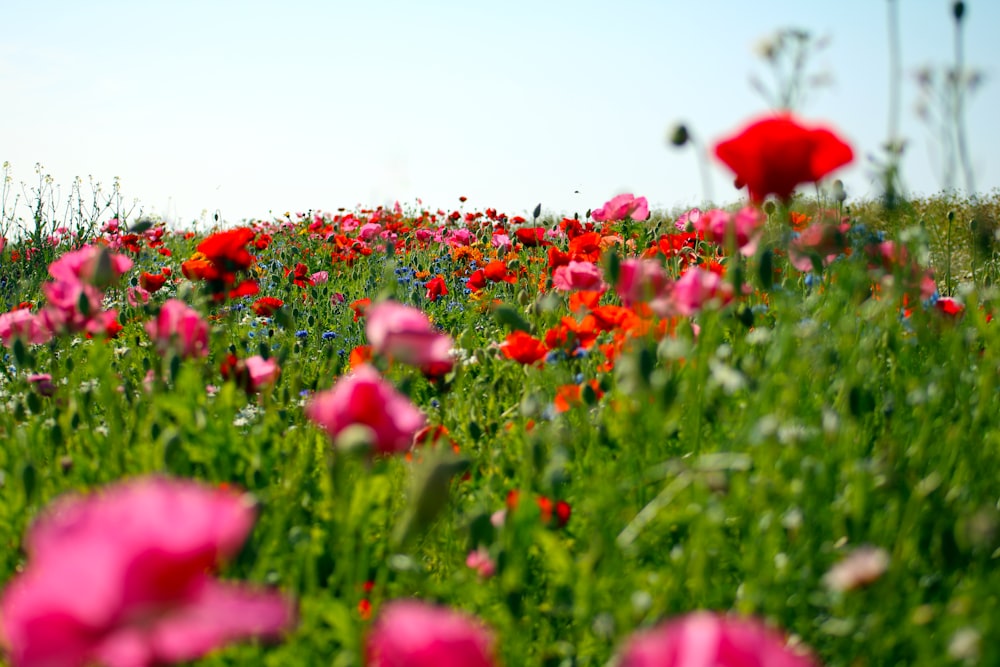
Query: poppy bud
[679, 136]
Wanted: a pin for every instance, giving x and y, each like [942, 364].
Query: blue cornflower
[301, 333]
[329, 335]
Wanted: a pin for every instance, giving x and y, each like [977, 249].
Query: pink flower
[365, 399]
[501, 241]
[84, 265]
[23, 324]
[577, 276]
[410, 633]
[262, 371]
[3, 242]
[405, 334]
[319, 277]
[705, 639]
[480, 561]
[824, 240]
[179, 328]
[621, 207]
[123, 578]
[687, 221]
[696, 288]
[641, 280]
[746, 228]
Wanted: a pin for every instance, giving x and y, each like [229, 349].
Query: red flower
[152, 281]
[773, 155]
[531, 236]
[266, 306]
[360, 307]
[436, 287]
[523, 348]
[496, 271]
[227, 250]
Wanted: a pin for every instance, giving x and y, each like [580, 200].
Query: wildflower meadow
[766, 433]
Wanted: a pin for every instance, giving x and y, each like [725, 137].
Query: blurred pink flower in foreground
[179, 328]
[621, 207]
[123, 578]
[577, 276]
[410, 633]
[405, 334]
[705, 639]
[365, 399]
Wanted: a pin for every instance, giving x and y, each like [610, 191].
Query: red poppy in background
[773, 155]
[266, 306]
[436, 288]
[523, 348]
[531, 236]
[227, 250]
[152, 281]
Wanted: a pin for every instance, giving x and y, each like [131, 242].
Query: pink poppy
[696, 288]
[576, 276]
[24, 324]
[261, 371]
[641, 280]
[824, 240]
[410, 633]
[707, 639]
[319, 277]
[621, 207]
[405, 334]
[179, 328]
[365, 399]
[85, 265]
[687, 221]
[746, 227]
[123, 578]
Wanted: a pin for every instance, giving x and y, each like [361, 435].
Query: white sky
[251, 107]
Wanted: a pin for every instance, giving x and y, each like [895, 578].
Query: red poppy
[496, 271]
[360, 307]
[227, 250]
[531, 236]
[266, 306]
[436, 288]
[152, 281]
[773, 155]
[523, 348]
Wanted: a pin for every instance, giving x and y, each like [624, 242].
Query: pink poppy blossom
[481, 561]
[179, 328]
[706, 639]
[501, 241]
[641, 280]
[261, 371]
[824, 240]
[3, 242]
[576, 276]
[23, 324]
[746, 227]
[365, 399]
[369, 230]
[319, 277]
[405, 334]
[687, 221]
[696, 288]
[621, 207]
[410, 633]
[84, 265]
[123, 578]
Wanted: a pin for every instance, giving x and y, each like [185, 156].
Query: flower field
[759, 435]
